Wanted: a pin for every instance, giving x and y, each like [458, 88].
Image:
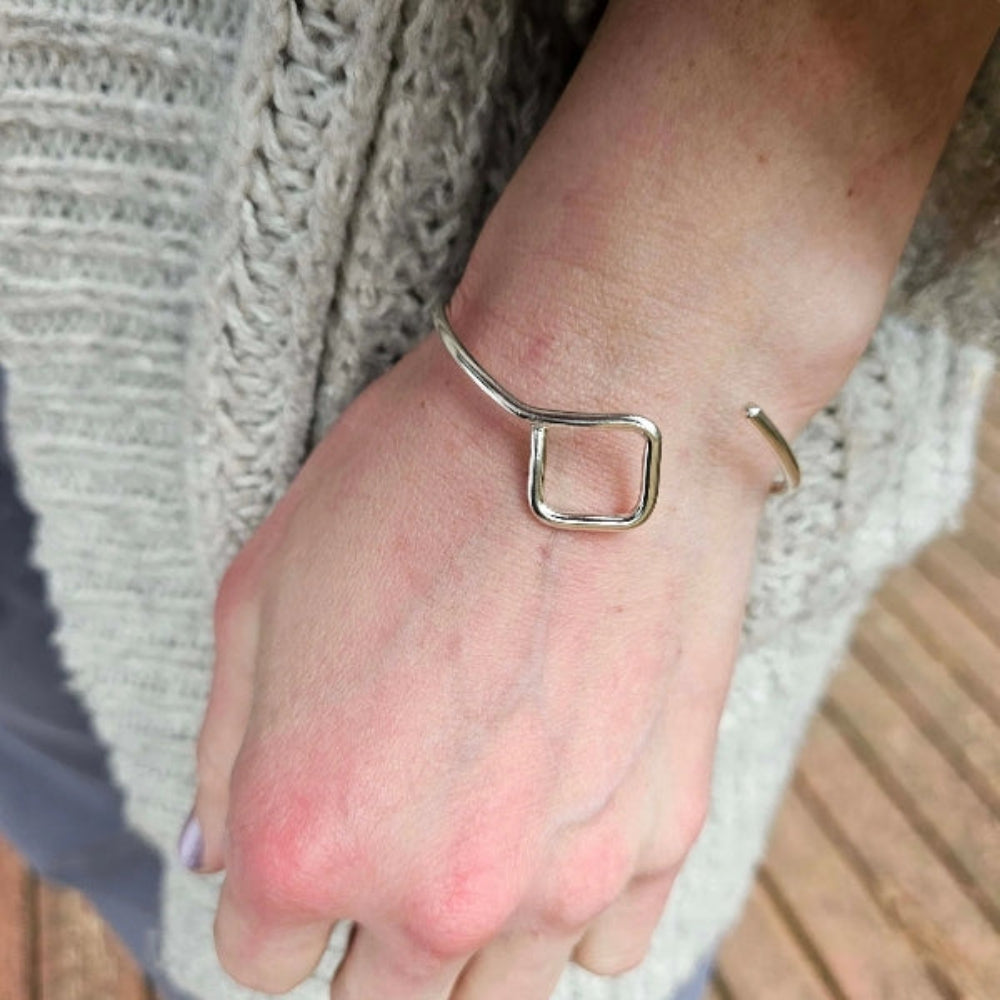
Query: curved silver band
[790, 474]
[542, 419]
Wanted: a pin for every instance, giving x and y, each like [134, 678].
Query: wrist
[681, 333]
[714, 211]
[608, 355]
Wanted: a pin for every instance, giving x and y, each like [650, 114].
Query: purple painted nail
[191, 844]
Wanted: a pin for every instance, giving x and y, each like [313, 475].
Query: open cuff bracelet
[541, 420]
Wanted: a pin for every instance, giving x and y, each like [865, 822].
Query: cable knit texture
[217, 224]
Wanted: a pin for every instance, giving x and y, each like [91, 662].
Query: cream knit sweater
[218, 223]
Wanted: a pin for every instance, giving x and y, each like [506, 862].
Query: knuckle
[679, 831]
[275, 875]
[461, 912]
[445, 929]
[283, 858]
[271, 877]
[566, 913]
[587, 883]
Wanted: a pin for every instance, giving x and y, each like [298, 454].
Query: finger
[236, 617]
[384, 964]
[264, 950]
[618, 938]
[522, 964]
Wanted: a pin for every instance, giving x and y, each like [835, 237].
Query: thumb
[201, 845]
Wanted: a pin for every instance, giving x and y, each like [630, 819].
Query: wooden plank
[868, 959]
[967, 580]
[948, 717]
[949, 816]
[980, 535]
[986, 487]
[948, 634]
[986, 516]
[15, 924]
[914, 889]
[79, 957]
[761, 957]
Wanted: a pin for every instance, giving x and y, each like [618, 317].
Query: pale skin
[487, 742]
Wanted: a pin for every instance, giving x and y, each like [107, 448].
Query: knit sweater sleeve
[949, 275]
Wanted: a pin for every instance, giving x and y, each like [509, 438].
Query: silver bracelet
[541, 420]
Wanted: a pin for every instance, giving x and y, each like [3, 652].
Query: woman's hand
[485, 741]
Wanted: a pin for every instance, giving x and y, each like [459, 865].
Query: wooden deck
[882, 880]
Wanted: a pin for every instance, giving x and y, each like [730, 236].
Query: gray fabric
[950, 272]
[219, 223]
[58, 804]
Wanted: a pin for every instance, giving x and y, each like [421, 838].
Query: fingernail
[191, 844]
